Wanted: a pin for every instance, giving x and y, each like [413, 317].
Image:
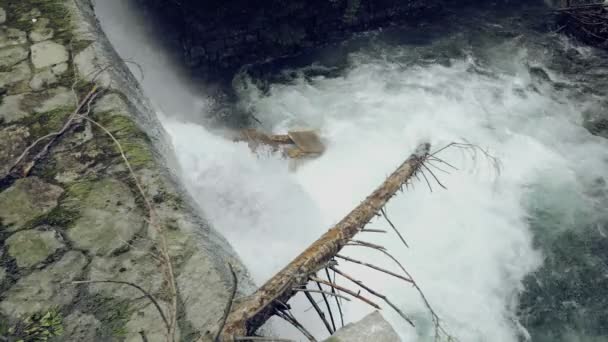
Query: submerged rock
[372, 327]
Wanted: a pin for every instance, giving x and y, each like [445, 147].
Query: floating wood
[307, 141]
[294, 144]
[253, 311]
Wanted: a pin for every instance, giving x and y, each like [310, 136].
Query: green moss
[58, 217]
[39, 327]
[171, 199]
[64, 214]
[44, 123]
[113, 314]
[138, 154]
[82, 88]
[133, 141]
[120, 126]
[4, 326]
[79, 45]
[54, 10]
[78, 192]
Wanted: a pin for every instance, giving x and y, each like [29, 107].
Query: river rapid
[516, 247]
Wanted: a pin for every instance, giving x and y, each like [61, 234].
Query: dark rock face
[231, 33]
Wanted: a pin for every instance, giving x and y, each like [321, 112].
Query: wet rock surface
[233, 33]
[42, 290]
[108, 220]
[372, 327]
[30, 247]
[76, 213]
[26, 200]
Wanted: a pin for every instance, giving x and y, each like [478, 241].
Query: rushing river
[511, 251]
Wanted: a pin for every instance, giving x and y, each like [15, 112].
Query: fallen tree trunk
[253, 311]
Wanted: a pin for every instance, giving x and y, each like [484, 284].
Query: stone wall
[75, 213]
[230, 33]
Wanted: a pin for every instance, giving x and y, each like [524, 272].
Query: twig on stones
[228, 304]
[163, 245]
[53, 136]
[139, 288]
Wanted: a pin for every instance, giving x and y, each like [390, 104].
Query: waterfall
[491, 80]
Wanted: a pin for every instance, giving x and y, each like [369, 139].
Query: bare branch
[319, 312]
[331, 314]
[289, 318]
[365, 243]
[377, 294]
[434, 316]
[343, 289]
[337, 297]
[432, 174]
[366, 230]
[253, 311]
[393, 226]
[377, 268]
[324, 292]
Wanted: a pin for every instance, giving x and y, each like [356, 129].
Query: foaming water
[470, 245]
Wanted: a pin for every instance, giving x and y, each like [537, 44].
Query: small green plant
[39, 327]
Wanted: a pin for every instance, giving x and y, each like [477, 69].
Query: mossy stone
[45, 289]
[26, 200]
[13, 140]
[31, 247]
[109, 216]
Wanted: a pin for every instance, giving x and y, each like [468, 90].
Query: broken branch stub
[253, 311]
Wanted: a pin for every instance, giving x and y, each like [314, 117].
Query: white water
[470, 245]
